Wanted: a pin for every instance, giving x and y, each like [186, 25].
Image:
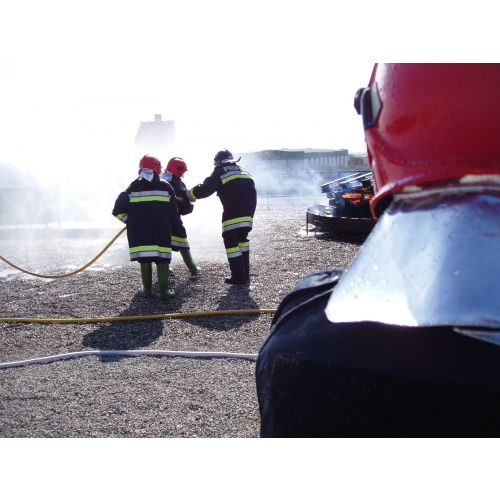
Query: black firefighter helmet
[225, 157]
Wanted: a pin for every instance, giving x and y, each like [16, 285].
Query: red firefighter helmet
[151, 163]
[177, 166]
[429, 123]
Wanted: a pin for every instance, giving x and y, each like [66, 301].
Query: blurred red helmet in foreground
[177, 166]
[429, 124]
[151, 163]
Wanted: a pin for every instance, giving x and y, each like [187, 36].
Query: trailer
[348, 209]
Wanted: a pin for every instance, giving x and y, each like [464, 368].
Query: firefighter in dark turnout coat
[236, 191]
[406, 341]
[148, 207]
[176, 167]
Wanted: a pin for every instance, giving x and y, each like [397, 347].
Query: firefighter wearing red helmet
[175, 169]
[148, 207]
[236, 191]
[406, 341]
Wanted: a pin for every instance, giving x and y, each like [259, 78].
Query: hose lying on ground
[137, 352]
[54, 276]
[138, 318]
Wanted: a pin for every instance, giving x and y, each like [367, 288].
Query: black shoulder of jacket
[311, 288]
[177, 184]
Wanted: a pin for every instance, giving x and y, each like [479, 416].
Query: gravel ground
[147, 396]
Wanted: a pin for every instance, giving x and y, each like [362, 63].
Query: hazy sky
[77, 77]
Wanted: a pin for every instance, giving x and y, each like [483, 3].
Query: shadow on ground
[342, 237]
[132, 334]
[237, 297]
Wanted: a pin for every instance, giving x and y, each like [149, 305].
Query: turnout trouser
[238, 253]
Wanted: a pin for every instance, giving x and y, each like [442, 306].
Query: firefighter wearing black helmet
[236, 191]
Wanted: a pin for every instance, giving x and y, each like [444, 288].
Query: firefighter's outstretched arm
[208, 187]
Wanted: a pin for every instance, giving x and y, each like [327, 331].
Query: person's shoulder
[231, 167]
[314, 288]
[134, 184]
[163, 182]
[217, 171]
[214, 175]
[166, 186]
[181, 184]
[176, 182]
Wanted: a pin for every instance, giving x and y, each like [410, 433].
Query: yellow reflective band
[232, 250]
[244, 244]
[150, 248]
[191, 195]
[120, 216]
[238, 219]
[149, 198]
[180, 240]
[237, 176]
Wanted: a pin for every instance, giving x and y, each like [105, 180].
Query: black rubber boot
[238, 273]
[188, 260]
[246, 258]
[147, 278]
[163, 275]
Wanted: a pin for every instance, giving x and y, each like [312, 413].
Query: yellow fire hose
[105, 319]
[117, 318]
[53, 276]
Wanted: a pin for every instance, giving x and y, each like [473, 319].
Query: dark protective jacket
[236, 191]
[148, 209]
[316, 378]
[184, 206]
[406, 341]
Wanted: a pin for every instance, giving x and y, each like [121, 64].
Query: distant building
[299, 171]
[155, 137]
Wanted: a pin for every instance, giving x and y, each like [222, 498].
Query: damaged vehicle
[348, 209]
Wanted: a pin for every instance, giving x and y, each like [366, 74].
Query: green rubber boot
[163, 275]
[188, 260]
[147, 278]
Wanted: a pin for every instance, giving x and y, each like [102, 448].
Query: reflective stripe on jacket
[148, 208]
[236, 191]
